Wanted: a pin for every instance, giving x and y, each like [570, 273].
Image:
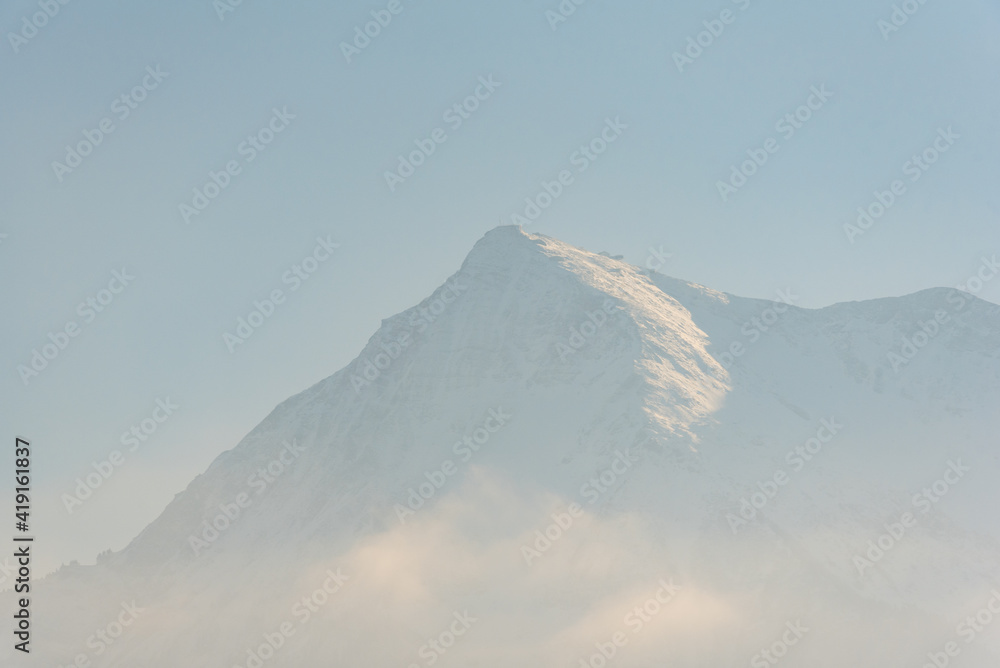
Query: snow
[646, 376]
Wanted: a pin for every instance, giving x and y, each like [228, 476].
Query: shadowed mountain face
[560, 458]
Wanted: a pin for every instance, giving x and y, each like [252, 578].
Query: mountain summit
[559, 456]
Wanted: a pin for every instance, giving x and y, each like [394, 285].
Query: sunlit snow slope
[555, 437]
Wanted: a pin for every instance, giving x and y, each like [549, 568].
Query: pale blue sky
[323, 175]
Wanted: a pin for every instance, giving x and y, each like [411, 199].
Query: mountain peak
[503, 240]
[542, 375]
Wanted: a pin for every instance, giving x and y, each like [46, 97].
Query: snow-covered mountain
[560, 459]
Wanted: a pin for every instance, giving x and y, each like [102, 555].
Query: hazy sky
[197, 86]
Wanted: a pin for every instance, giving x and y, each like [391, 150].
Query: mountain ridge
[566, 370]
